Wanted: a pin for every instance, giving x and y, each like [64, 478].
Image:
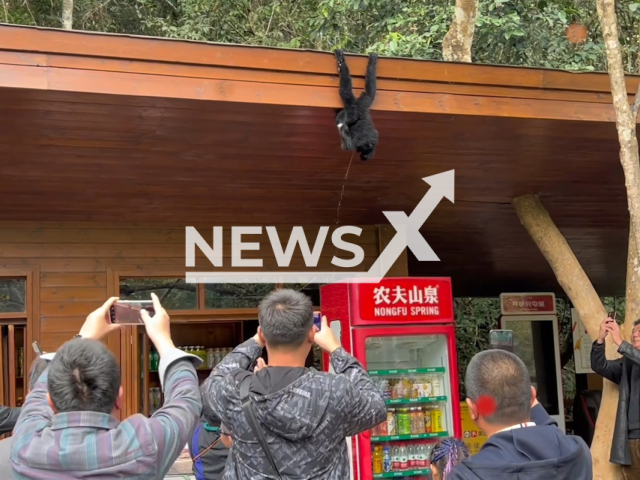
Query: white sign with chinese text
[581, 344]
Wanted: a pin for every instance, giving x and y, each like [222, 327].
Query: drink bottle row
[401, 457]
[408, 387]
[411, 421]
[210, 356]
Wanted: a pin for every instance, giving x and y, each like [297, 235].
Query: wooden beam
[113, 83]
[566, 93]
[109, 46]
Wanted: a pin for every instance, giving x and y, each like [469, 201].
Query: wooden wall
[77, 263]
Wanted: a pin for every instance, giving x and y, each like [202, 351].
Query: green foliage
[476, 317]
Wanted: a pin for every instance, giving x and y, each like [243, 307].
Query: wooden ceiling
[97, 137]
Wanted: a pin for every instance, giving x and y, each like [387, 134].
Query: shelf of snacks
[407, 473]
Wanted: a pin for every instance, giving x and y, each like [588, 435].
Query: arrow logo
[407, 236]
[408, 227]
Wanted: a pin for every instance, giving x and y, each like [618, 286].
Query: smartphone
[317, 320]
[127, 312]
[501, 339]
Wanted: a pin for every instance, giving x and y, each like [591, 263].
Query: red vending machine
[402, 331]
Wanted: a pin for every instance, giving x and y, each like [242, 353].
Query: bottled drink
[399, 388]
[395, 459]
[404, 460]
[427, 420]
[420, 420]
[408, 388]
[421, 456]
[384, 388]
[411, 453]
[386, 459]
[437, 389]
[436, 420]
[414, 418]
[392, 425]
[428, 448]
[377, 460]
[210, 358]
[404, 422]
[382, 430]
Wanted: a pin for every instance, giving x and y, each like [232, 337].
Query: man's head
[286, 321]
[84, 377]
[635, 334]
[500, 380]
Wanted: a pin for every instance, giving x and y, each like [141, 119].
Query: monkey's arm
[346, 88]
[369, 94]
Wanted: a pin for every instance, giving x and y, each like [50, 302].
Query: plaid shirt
[83, 445]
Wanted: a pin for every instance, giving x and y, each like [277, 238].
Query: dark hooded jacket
[619, 372]
[305, 415]
[210, 465]
[541, 452]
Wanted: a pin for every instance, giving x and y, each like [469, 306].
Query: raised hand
[97, 324]
[602, 334]
[614, 329]
[158, 327]
[325, 338]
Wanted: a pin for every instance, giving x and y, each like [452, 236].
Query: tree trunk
[67, 14]
[632, 310]
[578, 287]
[625, 119]
[456, 46]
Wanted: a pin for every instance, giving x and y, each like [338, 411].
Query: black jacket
[8, 418]
[209, 466]
[542, 452]
[305, 415]
[618, 372]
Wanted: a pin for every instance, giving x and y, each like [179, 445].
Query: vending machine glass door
[412, 367]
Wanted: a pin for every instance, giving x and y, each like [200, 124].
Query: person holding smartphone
[67, 429]
[301, 416]
[625, 372]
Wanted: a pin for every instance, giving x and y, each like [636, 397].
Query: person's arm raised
[175, 420]
[609, 369]
[36, 414]
[361, 405]
[624, 348]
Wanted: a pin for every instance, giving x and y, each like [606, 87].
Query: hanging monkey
[354, 121]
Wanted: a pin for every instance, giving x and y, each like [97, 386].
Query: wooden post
[401, 267]
[572, 278]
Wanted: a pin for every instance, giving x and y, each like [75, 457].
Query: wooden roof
[109, 128]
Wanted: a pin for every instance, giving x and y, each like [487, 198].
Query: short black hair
[636, 323]
[285, 317]
[504, 377]
[84, 377]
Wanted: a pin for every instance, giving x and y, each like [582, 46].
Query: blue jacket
[542, 452]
